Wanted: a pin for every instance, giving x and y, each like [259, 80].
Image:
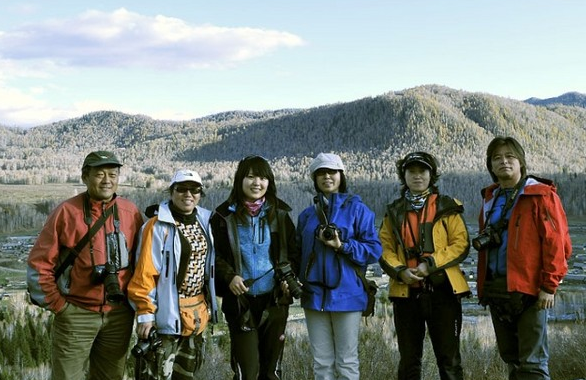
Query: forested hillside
[370, 134]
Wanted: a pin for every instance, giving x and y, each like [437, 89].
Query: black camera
[413, 253]
[328, 231]
[285, 273]
[108, 275]
[489, 238]
[144, 346]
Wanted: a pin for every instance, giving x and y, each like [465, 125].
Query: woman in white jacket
[172, 289]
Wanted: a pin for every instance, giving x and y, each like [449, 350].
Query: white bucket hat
[327, 161]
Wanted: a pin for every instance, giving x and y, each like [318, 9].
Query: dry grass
[378, 349]
[32, 194]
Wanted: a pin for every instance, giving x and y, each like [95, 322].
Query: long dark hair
[258, 166]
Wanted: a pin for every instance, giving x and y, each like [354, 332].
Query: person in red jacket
[86, 289]
[524, 245]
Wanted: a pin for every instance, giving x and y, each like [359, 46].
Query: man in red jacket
[93, 321]
[523, 249]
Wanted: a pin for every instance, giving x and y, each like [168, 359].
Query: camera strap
[513, 196]
[249, 281]
[509, 202]
[320, 209]
[72, 253]
[319, 205]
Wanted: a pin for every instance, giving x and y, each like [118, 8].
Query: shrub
[25, 346]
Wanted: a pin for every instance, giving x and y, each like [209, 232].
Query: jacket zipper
[166, 263]
[323, 300]
[324, 273]
[549, 219]
[517, 225]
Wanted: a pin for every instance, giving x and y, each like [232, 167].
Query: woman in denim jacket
[255, 242]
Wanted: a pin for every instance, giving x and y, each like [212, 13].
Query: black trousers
[441, 311]
[256, 352]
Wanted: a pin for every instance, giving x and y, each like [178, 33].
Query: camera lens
[481, 241]
[144, 346]
[285, 273]
[329, 232]
[294, 287]
[113, 293]
[141, 348]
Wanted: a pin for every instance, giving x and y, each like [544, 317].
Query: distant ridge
[568, 99]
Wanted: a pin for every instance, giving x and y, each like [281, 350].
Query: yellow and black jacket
[446, 243]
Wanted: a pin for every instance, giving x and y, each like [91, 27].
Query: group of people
[100, 265]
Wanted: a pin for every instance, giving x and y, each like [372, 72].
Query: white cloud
[19, 108]
[12, 69]
[35, 57]
[127, 39]
[24, 108]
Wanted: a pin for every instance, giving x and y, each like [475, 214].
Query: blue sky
[182, 59]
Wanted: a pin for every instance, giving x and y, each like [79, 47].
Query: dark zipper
[323, 300]
[517, 224]
[166, 263]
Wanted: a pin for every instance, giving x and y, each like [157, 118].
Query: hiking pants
[256, 353]
[441, 311]
[84, 340]
[523, 344]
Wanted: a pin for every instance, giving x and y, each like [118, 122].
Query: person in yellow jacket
[424, 239]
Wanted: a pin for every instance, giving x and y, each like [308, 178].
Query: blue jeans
[522, 344]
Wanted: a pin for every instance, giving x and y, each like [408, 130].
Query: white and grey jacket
[153, 290]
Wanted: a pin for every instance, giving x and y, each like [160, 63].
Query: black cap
[419, 158]
[100, 158]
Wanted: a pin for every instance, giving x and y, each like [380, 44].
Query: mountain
[568, 99]
[370, 134]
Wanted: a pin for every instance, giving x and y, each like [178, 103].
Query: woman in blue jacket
[337, 237]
